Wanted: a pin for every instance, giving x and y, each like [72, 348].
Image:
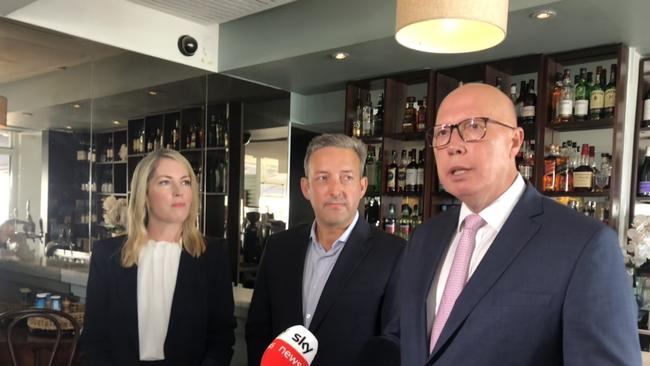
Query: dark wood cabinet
[436, 84]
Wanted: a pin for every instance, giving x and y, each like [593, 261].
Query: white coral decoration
[637, 250]
[115, 213]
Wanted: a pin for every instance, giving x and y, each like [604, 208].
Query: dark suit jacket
[201, 325]
[352, 307]
[551, 290]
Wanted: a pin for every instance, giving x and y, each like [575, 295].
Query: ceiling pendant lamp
[451, 26]
[3, 111]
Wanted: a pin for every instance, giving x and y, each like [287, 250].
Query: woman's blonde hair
[137, 212]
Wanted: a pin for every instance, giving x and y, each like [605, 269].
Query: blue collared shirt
[318, 266]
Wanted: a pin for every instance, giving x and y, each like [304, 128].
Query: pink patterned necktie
[457, 275]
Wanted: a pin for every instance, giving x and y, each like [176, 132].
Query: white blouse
[157, 269]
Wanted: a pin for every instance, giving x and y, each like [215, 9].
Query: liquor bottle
[556, 95]
[150, 138]
[408, 123]
[366, 118]
[212, 128]
[358, 116]
[379, 117]
[193, 136]
[592, 158]
[606, 168]
[416, 217]
[564, 170]
[157, 142]
[530, 101]
[389, 221]
[583, 175]
[378, 173]
[581, 104]
[566, 98]
[109, 149]
[596, 99]
[645, 123]
[405, 222]
[176, 137]
[519, 105]
[370, 170]
[141, 141]
[200, 136]
[513, 93]
[412, 173]
[421, 116]
[391, 174]
[550, 169]
[610, 94]
[644, 175]
[401, 173]
[419, 181]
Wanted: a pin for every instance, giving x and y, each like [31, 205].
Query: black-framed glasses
[470, 130]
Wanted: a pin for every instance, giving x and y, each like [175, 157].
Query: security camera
[187, 45]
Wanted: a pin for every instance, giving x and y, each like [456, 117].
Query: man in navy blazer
[332, 276]
[544, 284]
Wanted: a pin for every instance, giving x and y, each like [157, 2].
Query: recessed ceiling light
[76, 106]
[152, 92]
[543, 14]
[116, 122]
[68, 127]
[340, 55]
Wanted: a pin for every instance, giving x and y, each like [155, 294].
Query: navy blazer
[201, 324]
[551, 290]
[352, 307]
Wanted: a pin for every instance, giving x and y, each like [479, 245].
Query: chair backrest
[14, 317]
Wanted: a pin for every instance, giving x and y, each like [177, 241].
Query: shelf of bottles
[200, 135]
[640, 190]
[580, 132]
[390, 116]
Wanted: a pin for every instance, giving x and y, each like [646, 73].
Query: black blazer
[201, 324]
[352, 306]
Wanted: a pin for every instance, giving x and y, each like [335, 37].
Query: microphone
[380, 351]
[296, 346]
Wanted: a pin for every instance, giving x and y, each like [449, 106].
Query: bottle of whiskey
[412, 173]
[583, 175]
[596, 99]
[419, 185]
[550, 169]
[564, 170]
[530, 101]
[370, 170]
[141, 141]
[581, 100]
[405, 222]
[421, 116]
[409, 122]
[358, 116]
[565, 109]
[644, 175]
[366, 117]
[610, 94]
[389, 221]
[176, 137]
[391, 174]
[401, 173]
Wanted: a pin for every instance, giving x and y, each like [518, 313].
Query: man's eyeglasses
[470, 130]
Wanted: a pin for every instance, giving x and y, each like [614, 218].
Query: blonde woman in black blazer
[142, 311]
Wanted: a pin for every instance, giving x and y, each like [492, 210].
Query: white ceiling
[208, 12]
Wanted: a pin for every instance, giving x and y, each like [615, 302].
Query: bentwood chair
[12, 318]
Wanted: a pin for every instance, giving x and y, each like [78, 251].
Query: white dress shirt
[157, 272]
[495, 215]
